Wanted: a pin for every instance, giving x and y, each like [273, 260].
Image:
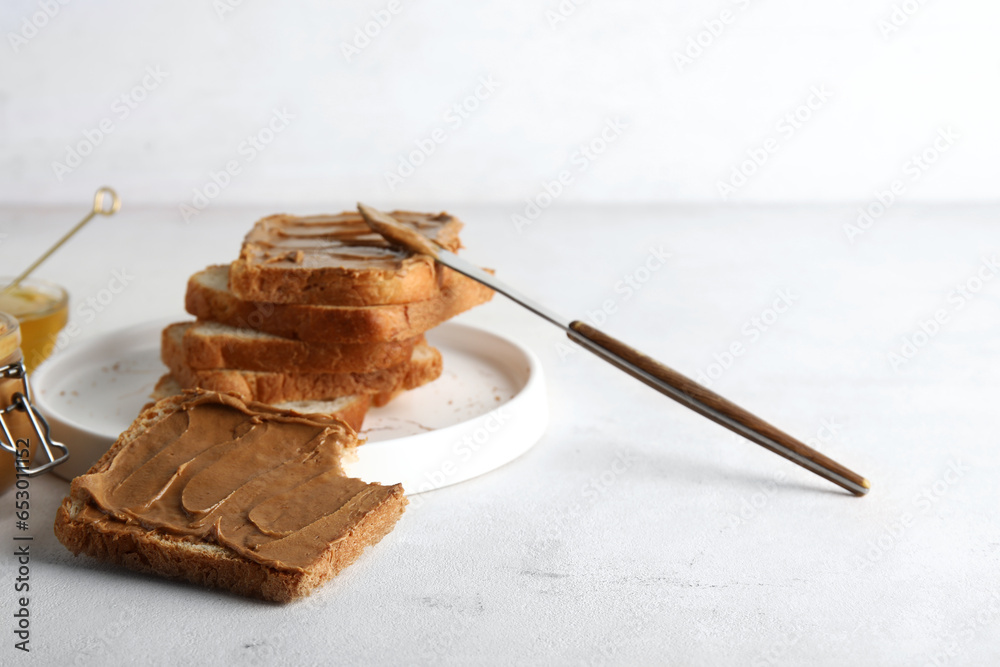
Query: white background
[688, 126]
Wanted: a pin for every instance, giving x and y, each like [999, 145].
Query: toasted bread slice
[292, 520]
[336, 260]
[210, 345]
[349, 409]
[270, 387]
[209, 298]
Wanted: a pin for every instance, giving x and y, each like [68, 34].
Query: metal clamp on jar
[24, 428]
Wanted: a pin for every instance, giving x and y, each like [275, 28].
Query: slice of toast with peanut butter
[206, 488]
[337, 260]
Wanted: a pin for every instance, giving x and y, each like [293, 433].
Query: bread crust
[216, 566]
[213, 346]
[208, 299]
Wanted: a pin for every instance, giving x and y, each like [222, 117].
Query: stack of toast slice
[234, 477]
[319, 314]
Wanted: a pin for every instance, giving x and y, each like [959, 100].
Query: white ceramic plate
[488, 407]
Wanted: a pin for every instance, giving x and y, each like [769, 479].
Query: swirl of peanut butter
[342, 240]
[265, 483]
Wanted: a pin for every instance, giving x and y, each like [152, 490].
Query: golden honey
[42, 310]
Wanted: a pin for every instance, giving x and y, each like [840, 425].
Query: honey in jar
[42, 309]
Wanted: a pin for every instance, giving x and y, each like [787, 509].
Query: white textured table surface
[635, 532]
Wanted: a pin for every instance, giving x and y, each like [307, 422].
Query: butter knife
[667, 381]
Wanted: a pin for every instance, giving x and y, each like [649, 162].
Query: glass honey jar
[22, 428]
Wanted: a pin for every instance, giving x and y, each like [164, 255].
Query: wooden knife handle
[709, 404]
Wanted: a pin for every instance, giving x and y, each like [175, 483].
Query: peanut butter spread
[402, 235]
[266, 484]
[341, 241]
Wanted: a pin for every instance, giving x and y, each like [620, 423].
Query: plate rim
[40, 376]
